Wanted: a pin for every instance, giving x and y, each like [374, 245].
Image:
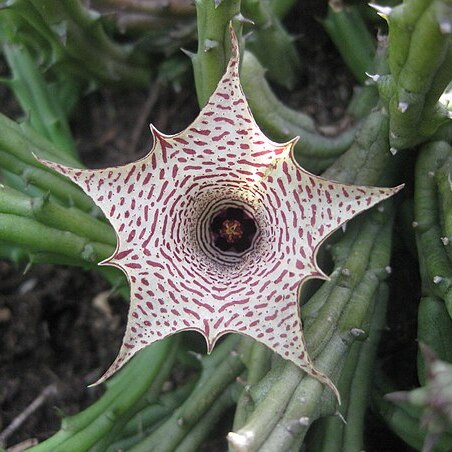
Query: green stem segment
[72, 38]
[214, 44]
[83, 430]
[436, 267]
[219, 370]
[271, 43]
[18, 145]
[44, 112]
[434, 328]
[420, 61]
[151, 416]
[350, 35]
[402, 419]
[332, 433]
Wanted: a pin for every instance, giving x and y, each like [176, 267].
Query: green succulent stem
[214, 44]
[420, 62]
[194, 439]
[219, 370]
[151, 415]
[271, 43]
[148, 398]
[434, 328]
[18, 148]
[350, 35]
[402, 419]
[44, 112]
[444, 190]
[258, 364]
[35, 236]
[332, 433]
[436, 267]
[52, 214]
[71, 37]
[282, 7]
[368, 157]
[83, 430]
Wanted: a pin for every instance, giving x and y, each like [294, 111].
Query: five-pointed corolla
[217, 229]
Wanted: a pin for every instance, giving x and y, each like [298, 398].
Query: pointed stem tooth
[399, 396]
[393, 151]
[345, 272]
[240, 442]
[198, 356]
[414, 224]
[210, 44]
[402, 106]
[445, 240]
[181, 422]
[304, 421]
[437, 279]
[358, 332]
[388, 269]
[373, 77]
[445, 26]
[242, 19]
[188, 53]
[88, 253]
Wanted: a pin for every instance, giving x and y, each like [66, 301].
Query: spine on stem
[210, 62]
[420, 62]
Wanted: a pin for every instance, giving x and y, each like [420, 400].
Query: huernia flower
[218, 227]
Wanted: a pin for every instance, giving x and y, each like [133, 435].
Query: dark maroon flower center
[233, 229]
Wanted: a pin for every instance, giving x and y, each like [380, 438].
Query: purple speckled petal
[162, 206]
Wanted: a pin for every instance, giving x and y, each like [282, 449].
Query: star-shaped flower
[217, 229]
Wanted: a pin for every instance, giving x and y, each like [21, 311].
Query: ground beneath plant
[61, 327]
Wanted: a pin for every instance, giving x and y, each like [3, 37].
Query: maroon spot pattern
[161, 206]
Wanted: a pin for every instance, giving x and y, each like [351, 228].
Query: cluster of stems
[45, 218]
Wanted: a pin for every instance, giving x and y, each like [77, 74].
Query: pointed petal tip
[44, 162]
[293, 141]
[102, 379]
[156, 132]
[107, 261]
[235, 51]
[319, 274]
[391, 191]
